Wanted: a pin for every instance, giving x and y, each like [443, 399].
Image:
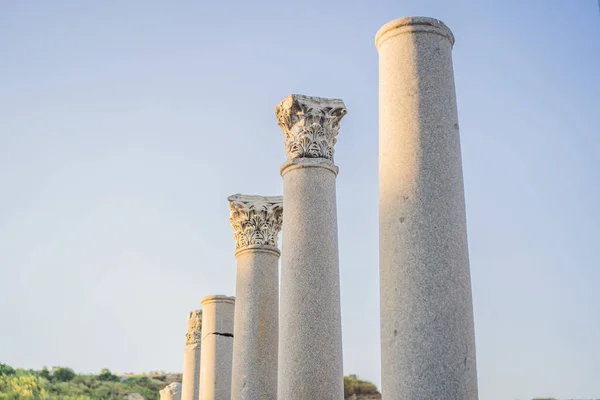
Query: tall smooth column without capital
[217, 347]
[310, 340]
[427, 332]
[171, 392]
[190, 385]
[256, 222]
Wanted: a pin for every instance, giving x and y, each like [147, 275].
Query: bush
[22, 387]
[354, 386]
[64, 384]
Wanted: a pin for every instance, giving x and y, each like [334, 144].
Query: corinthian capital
[171, 391]
[256, 220]
[310, 125]
[194, 327]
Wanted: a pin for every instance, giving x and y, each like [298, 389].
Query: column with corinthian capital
[190, 385]
[256, 222]
[310, 341]
[171, 392]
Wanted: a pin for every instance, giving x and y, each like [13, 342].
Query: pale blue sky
[124, 126]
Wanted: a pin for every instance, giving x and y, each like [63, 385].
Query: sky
[124, 126]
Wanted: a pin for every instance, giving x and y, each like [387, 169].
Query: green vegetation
[359, 389]
[62, 383]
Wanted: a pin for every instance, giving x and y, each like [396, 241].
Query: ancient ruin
[190, 385]
[256, 222]
[217, 347]
[286, 342]
[171, 392]
[310, 327]
[427, 333]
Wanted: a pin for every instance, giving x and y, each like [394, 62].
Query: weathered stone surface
[427, 334]
[194, 328]
[190, 385]
[310, 125]
[170, 392]
[217, 347]
[310, 340]
[257, 220]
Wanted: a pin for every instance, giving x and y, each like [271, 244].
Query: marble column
[256, 222]
[217, 347]
[171, 392]
[310, 331]
[191, 357]
[427, 333]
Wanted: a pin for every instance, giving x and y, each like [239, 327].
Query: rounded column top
[297, 163]
[412, 24]
[217, 298]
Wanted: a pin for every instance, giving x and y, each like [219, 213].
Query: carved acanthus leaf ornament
[310, 125]
[171, 390]
[194, 328]
[256, 220]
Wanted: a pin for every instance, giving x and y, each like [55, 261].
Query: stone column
[310, 340]
[171, 392]
[191, 357]
[217, 347]
[427, 334]
[256, 223]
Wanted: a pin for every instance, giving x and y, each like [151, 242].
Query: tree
[6, 370]
[106, 375]
[61, 374]
[45, 373]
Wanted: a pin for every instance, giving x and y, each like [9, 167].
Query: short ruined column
[256, 222]
[427, 330]
[190, 385]
[171, 392]
[217, 347]
[310, 340]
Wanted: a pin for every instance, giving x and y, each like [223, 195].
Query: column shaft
[310, 341]
[427, 332]
[256, 221]
[254, 374]
[190, 385]
[217, 347]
